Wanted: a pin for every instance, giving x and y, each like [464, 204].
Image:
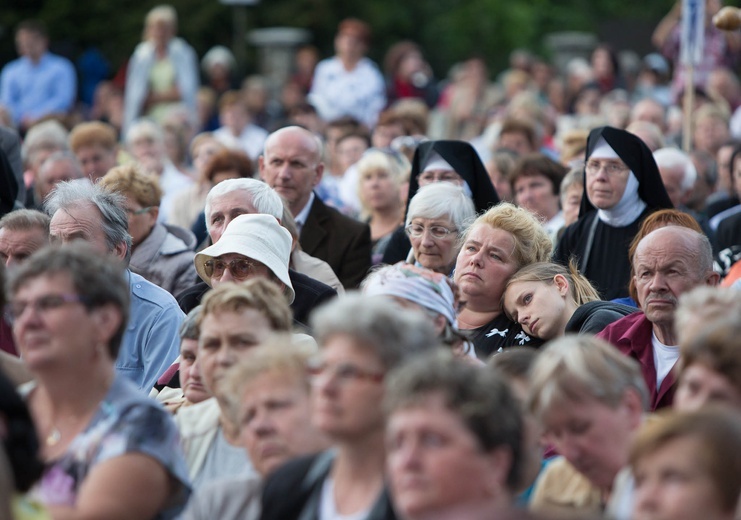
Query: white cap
[256, 236]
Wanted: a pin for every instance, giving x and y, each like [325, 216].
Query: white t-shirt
[665, 356]
[327, 508]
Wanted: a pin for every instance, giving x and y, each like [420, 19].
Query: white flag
[693, 31]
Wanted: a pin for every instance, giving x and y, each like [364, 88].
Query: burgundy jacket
[632, 336]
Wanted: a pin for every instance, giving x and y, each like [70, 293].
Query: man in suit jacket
[291, 164]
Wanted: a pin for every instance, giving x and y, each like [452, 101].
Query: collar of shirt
[304, 213]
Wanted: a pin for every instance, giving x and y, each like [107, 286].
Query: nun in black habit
[438, 156]
[600, 238]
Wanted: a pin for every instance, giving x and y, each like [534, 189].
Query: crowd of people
[372, 295]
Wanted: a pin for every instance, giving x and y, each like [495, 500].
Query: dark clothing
[639, 159]
[608, 267]
[633, 336]
[293, 491]
[466, 163]
[8, 185]
[310, 293]
[728, 233]
[398, 247]
[592, 317]
[499, 333]
[342, 242]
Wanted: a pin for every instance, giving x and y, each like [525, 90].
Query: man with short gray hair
[58, 167]
[678, 173]
[667, 263]
[81, 210]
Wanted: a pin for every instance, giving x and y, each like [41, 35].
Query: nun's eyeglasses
[611, 168]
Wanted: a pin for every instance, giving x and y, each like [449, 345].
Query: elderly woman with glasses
[109, 451]
[361, 338]
[437, 217]
[161, 253]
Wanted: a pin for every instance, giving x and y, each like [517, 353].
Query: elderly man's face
[53, 173]
[665, 266]
[673, 179]
[291, 165]
[18, 244]
[82, 222]
[226, 208]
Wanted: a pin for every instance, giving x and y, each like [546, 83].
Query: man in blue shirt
[81, 210]
[38, 83]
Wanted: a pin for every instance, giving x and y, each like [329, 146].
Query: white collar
[302, 215]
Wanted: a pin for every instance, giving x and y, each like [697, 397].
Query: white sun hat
[258, 237]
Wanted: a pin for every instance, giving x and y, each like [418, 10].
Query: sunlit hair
[718, 434]
[578, 368]
[79, 192]
[442, 200]
[130, 180]
[718, 347]
[479, 397]
[702, 305]
[395, 164]
[390, 332]
[262, 197]
[580, 289]
[278, 356]
[532, 243]
[259, 294]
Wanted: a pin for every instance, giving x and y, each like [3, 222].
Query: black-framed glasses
[42, 304]
[240, 268]
[439, 232]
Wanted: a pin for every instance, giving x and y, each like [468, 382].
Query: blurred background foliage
[448, 30]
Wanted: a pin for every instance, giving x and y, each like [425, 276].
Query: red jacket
[632, 335]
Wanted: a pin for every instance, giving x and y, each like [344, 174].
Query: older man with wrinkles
[292, 165]
[668, 262]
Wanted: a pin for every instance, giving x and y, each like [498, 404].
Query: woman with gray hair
[589, 400]
[360, 340]
[437, 216]
[110, 451]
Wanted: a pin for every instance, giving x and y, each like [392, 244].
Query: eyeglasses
[343, 373]
[16, 308]
[611, 168]
[240, 268]
[138, 211]
[439, 232]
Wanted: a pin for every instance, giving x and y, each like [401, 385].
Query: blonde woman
[382, 180]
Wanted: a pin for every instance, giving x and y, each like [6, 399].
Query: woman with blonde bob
[589, 400]
[688, 466]
[499, 243]
[381, 176]
[550, 300]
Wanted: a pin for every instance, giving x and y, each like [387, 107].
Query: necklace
[54, 437]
